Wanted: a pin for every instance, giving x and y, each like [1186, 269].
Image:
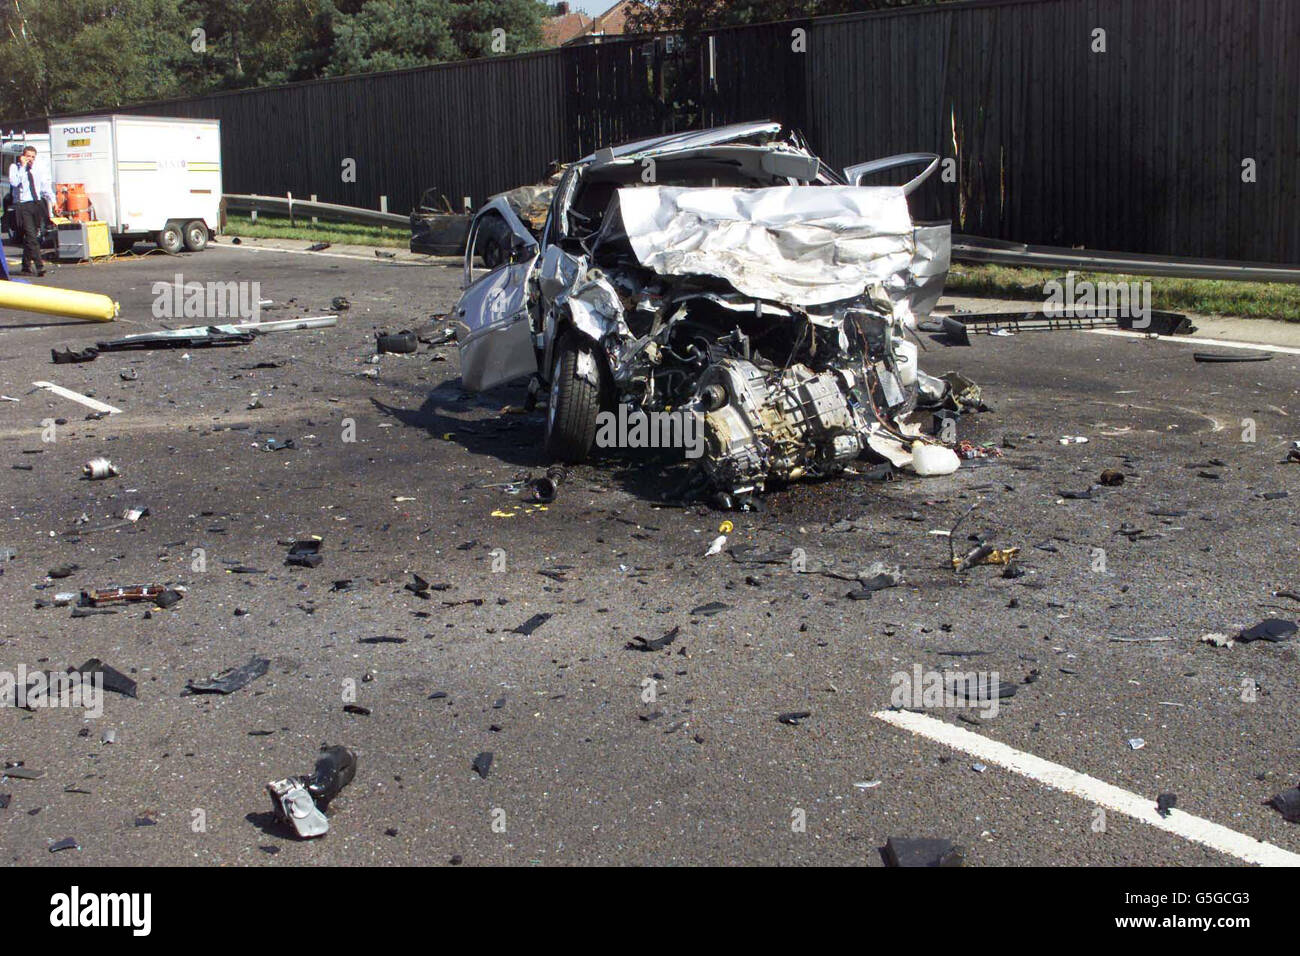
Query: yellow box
[84, 240]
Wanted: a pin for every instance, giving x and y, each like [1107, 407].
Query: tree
[698, 16]
[71, 55]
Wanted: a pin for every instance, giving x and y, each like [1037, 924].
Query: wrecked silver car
[728, 274]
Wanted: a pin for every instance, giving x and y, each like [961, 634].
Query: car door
[493, 324]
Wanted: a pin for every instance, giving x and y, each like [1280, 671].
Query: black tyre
[196, 235]
[123, 244]
[575, 403]
[170, 239]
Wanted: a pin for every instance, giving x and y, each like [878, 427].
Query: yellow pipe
[50, 301]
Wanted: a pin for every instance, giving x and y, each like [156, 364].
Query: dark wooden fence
[1141, 148]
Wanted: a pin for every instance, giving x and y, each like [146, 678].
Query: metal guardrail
[999, 252]
[291, 207]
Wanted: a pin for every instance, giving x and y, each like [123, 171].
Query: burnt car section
[727, 274]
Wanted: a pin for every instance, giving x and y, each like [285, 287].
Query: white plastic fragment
[929, 460]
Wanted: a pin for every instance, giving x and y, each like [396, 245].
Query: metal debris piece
[231, 679]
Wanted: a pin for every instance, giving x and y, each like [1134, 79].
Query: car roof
[691, 139]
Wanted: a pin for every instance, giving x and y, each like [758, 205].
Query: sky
[591, 6]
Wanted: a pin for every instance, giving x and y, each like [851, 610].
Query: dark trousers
[30, 217]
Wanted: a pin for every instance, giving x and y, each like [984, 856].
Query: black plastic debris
[1085, 495]
[67, 843]
[63, 571]
[1287, 803]
[1270, 629]
[639, 643]
[356, 709]
[319, 246]
[212, 337]
[794, 718]
[396, 343]
[113, 679]
[70, 357]
[483, 764]
[1111, 478]
[168, 598]
[340, 303]
[4, 800]
[922, 851]
[275, 444]
[1166, 802]
[710, 609]
[1224, 357]
[229, 680]
[305, 554]
[532, 624]
[382, 639]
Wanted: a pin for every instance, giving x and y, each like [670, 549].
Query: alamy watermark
[1070, 298]
[974, 690]
[635, 428]
[206, 300]
[32, 689]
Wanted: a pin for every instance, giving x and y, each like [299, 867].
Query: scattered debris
[658, 644]
[483, 763]
[1287, 803]
[301, 802]
[1111, 478]
[710, 609]
[319, 246]
[794, 718]
[547, 487]
[1136, 743]
[98, 469]
[229, 680]
[532, 624]
[67, 843]
[1165, 802]
[305, 553]
[1217, 640]
[1270, 629]
[396, 343]
[113, 680]
[922, 851]
[1221, 357]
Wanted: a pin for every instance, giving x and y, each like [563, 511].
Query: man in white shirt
[33, 207]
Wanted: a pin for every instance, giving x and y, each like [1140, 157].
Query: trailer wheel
[196, 235]
[170, 239]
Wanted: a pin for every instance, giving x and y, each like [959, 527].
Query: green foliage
[696, 16]
[63, 56]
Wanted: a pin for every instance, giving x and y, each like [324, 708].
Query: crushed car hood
[796, 245]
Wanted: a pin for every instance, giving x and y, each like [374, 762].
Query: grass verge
[1251, 300]
[343, 233]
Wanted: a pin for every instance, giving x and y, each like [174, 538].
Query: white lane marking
[329, 255]
[1185, 825]
[1194, 340]
[90, 403]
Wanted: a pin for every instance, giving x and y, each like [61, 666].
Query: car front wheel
[575, 402]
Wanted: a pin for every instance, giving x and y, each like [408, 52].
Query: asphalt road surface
[1100, 636]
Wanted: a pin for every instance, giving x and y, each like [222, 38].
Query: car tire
[574, 405]
[196, 235]
[170, 238]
